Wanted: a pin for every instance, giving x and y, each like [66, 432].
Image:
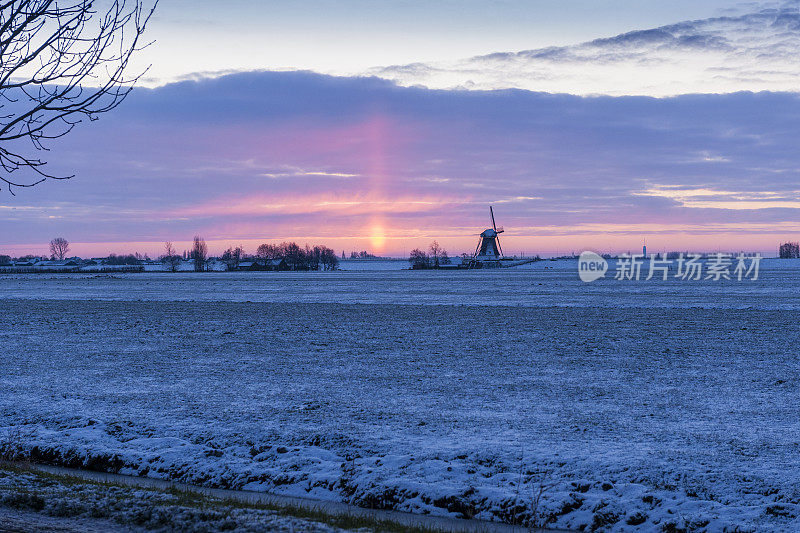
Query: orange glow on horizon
[393, 241]
[377, 239]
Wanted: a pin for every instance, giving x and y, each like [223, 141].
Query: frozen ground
[542, 284]
[35, 502]
[626, 405]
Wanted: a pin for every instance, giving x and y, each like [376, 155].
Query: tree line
[297, 258]
[284, 256]
[789, 250]
[435, 257]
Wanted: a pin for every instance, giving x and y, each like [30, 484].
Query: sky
[386, 125]
[348, 37]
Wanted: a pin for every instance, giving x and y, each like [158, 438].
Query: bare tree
[59, 248]
[61, 61]
[789, 250]
[329, 259]
[232, 257]
[324, 257]
[419, 259]
[294, 255]
[170, 258]
[437, 253]
[267, 251]
[199, 254]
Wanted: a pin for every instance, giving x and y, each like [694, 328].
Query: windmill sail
[488, 253]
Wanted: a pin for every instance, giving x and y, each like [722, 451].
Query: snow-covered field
[618, 405]
[35, 502]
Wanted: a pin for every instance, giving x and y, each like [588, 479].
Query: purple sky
[362, 163]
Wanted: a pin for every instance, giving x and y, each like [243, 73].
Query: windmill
[489, 243]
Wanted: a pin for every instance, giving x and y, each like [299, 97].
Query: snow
[31, 501]
[628, 405]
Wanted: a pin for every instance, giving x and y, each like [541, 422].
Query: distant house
[260, 264]
[276, 264]
[248, 265]
[64, 263]
[28, 261]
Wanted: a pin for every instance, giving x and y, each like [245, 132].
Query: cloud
[720, 199]
[282, 155]
[667, 61]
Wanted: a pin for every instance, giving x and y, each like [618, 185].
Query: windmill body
[489, 252]
[488, 246]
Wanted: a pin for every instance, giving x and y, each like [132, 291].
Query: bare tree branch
[59, 247]
[61, 61]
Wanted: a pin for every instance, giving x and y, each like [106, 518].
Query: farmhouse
[261, 264]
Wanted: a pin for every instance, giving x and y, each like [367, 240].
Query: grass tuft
[199, 501]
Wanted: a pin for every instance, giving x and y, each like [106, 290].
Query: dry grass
[200, 501]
